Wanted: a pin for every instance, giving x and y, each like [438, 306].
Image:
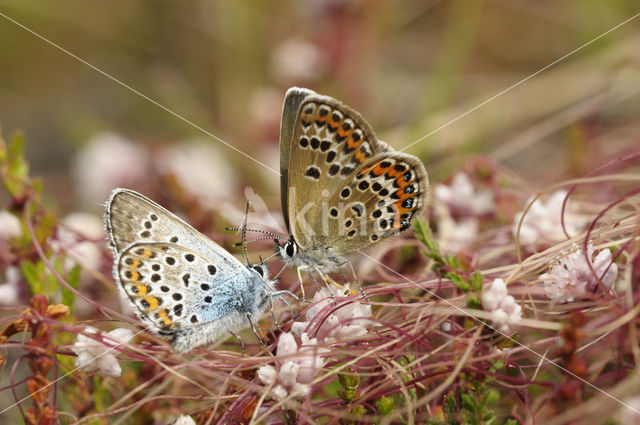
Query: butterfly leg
[353, 271]
[241, 342]
[304, 297]
[258, 332]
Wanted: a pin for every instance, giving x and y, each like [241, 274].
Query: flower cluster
[297, 366]
[462, 198]
[98, 357]
[572, 277]
[330, 322]
[457, 208]
[543, 220]
[504, 310]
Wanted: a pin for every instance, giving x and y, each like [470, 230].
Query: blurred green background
[409, 67]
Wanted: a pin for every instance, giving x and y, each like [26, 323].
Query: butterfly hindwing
[173, 287]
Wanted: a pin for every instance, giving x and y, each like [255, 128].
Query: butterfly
[181, 283]
[342, 189]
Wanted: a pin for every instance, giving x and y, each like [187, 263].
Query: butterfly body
[343, 190]
[181, 283]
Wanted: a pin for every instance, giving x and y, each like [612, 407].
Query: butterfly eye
[259, 269]
[290, 249]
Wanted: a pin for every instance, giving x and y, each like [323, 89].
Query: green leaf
[73, 279]
[468, 402]
[385, 405]
[33, 276]
[491, 397]
[476, 281]
[458, 281]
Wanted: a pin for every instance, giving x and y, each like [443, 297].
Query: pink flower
[297, 366]
[542, 221]
[9, 226]
[504, 310]
[346, 320]
[184, 420]
[572, 278]
[81, 237]
[9, 291]
[98, 357]
[462, 198]
[297, 60]
[109, 160]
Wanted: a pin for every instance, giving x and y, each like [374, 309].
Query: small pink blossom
[184, 420]
[346, 321]
[462, 198]
[454, 236]
[81, 237]
[543, 220]
[98, 357]
[109, 160]
[9, 291]
[297, 60]
[505, 312]
[572, 278]
[9, 226]
[297, 366]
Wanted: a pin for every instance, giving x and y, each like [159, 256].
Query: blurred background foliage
[409, 67]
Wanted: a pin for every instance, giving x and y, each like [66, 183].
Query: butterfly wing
[294, 97]
[173, 287]
[347, 189]
[180, 282]
[380, 200]
[131, 217]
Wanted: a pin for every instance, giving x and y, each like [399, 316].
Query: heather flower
[296, 367]
[9, 226]
[9, 289]
[99, 357]
[454, 236]
[81, 236]
[504, 310]
[462, 198]
[201, 170]
[297, 60]
[572, 278]
[543, 220]
[184, 420]
[346, 321]
[109, 161]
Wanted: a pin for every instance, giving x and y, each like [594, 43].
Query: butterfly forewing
[174, 287]
[346, 189]
[131, 217]
[330, 142]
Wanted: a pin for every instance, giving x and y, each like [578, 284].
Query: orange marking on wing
[152, 301]
[147, 253]
[319, 118]
[360, 156]
[352, 143]
[135, 275]
[142, 289]
[136, 263]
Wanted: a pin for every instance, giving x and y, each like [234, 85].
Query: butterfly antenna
[271, 234]
[243, 238]
[266, 238]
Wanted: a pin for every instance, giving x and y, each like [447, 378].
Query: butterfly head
[287, 251]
